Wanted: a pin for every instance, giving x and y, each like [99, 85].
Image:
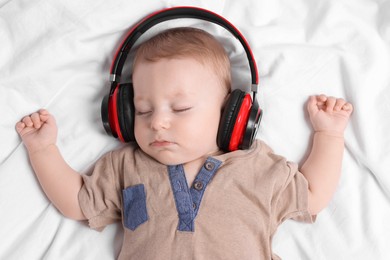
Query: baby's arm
[329, 117]
[60, 182]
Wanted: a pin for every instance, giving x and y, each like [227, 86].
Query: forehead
[176, 77]
[169, 73]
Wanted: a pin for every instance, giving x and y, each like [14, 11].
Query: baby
[177, 194]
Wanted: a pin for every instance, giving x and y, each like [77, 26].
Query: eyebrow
[177, 94]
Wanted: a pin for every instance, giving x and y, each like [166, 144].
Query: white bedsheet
[56, 54]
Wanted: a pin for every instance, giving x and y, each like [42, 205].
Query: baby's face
[177, 109]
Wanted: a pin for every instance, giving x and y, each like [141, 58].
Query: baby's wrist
[40, 149]
[330, 133]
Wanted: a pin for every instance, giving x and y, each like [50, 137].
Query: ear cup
[253, 124]
[125, 108]
[109, 113]
[240, 124]
[104, 114]
[228, 118]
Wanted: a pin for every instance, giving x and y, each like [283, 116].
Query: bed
[56, 54]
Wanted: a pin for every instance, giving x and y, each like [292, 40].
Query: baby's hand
[328, 114]
[38, 130]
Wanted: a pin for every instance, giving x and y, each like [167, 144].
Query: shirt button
[198, 185]
[194, 205]
[209, 166]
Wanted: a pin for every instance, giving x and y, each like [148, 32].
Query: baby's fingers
[330, 104]
[339, 104]
[316, 103]
[27, 121]
[20, 126]
[348, 107]
[312, 106]
[44, 115]
[36, 119]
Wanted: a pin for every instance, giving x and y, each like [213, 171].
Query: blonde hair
[187, 42]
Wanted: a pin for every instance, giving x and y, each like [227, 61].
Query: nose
[160, 120]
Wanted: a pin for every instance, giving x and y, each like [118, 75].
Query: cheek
[204, 128]
[139, 131]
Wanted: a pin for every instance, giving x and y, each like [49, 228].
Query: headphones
[241, 116]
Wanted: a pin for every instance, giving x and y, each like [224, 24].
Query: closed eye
[180, 110]
[142, 113]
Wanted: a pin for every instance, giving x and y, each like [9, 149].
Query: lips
[161, 143]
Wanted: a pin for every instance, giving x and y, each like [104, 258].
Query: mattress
[57, 55]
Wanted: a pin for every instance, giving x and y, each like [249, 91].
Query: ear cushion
[252, 126]
[228, 118]
[109, 113]
[241, 123]
[125, 108]
[104, 114]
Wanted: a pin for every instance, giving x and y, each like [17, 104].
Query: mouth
[161, 143]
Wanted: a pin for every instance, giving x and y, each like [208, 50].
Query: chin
[167, 159]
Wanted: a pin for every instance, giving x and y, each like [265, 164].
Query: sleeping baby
[178, 191]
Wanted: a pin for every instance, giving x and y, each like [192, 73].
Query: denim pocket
[134, 206]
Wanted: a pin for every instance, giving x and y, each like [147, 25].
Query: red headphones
[241, 116]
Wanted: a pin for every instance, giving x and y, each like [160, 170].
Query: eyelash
[139, 113]
[181, 110]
